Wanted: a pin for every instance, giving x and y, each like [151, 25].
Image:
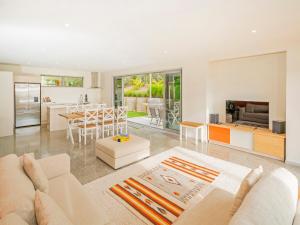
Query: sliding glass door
[152, 99]
[173, 99]
[118, 91]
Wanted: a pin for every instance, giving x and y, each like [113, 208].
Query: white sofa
[17, 192]
[273, 200]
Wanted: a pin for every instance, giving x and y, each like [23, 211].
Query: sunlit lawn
[132, 114]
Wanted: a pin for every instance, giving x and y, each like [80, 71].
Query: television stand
[260, 141]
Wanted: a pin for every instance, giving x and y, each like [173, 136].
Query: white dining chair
[72, 123]
[89, 124]
[121, 119]
[107, 121]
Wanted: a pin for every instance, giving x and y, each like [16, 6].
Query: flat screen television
[249, 113]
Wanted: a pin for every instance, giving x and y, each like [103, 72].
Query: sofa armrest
[297, 215]
[54, 166]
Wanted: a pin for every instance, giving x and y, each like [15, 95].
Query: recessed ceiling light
[67, 25]
[253, 31]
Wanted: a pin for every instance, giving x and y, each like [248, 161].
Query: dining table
[75, 117]
[71, 117]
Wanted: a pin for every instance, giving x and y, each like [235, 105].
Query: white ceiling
[115, 34]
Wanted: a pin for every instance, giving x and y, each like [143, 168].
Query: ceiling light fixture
[67, 25]
[253, 31]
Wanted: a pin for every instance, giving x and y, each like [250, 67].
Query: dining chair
[107, 121]
[89, 124]
[174, 114]
[121, 119]
[153, 115]
[72, 123]
[160, 116]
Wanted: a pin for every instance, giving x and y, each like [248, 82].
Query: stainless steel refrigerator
[27, 104]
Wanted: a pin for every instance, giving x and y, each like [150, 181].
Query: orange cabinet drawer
[221, 134]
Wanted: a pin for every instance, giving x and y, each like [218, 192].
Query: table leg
[186, 133]
[196, 136]
[70, 133]
[68, 124]
[181, 133]
[202, 133]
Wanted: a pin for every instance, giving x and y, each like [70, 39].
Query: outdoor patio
[145, 120]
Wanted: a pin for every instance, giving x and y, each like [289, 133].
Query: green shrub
[129, 93]
[157, 88]
[133, 93]
[137, 83]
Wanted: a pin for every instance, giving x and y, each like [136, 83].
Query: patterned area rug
[160, 195]
[121, 213]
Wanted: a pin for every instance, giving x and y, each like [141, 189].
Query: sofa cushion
[254, 108]
[205, 213]
[16, 190]
[12, 219]
[256, 117]
[35, 172]
[272, 200]
[61, 162]
[69, 194]
[261, 109]
[48, 212]
[250, 108]
[248, 182]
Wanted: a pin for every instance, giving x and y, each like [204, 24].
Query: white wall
[57, 94]
[293, 105]
[7, 104]
[255, 78]
[193, 86]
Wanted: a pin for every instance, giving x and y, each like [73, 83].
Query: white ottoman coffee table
[119, 154]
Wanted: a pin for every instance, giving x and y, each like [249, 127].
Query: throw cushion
[272, 201]
[35, 172]
[48, 212]
[12, 219]
[245, 187]
[16, 190]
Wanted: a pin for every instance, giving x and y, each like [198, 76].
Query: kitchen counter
[54, 120]
[50, 105]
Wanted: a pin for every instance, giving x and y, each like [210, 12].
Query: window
[73, 81]
[61, 81]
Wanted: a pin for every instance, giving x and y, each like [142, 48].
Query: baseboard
[292, 163]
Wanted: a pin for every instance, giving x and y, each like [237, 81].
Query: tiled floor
[86, 167]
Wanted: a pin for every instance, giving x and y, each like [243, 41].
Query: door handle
[35, 99]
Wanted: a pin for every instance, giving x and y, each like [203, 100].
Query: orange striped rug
[200, 172]
[151, 205]
[160, 195]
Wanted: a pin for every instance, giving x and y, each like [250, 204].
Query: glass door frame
[113, 90]
[165, 98]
